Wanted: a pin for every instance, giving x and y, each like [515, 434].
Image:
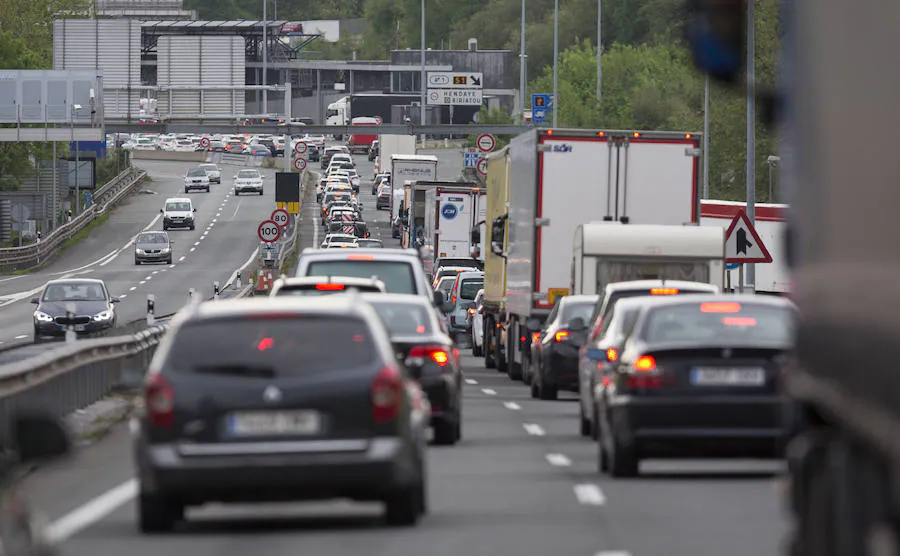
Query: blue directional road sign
[472, 159]
[538, 115]
[541, 101]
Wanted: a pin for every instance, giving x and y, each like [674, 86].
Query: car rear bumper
[152, 257]
[277, 471]
[189, 186]
[562, 369]
[711, 426]
[177, 223]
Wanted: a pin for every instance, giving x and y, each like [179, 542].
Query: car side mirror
[35, 301]
[114, 300]
[195, 210]
[577, 324]
[38, 436]
[162, 211]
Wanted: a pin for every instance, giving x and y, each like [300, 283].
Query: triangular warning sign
[742, 243]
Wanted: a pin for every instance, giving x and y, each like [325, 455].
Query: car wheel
[585, 424]
[165, 228]
[444, 432]
[602, 457]
[548, 392]
[402, 507]
[260, 192]
[157, 515]
[169, 260]
[136, 261]
[488, 344]
[595, 426]
[622, 460]
[207, 189]
[192, 227]
[186, 190]
[236, 192]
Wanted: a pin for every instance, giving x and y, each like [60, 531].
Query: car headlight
[166, 249]
[139, 251]
[41, 316]
[105, 315]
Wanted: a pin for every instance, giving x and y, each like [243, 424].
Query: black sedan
[430, 356]
[254, 401]
[698, 376]
[553, 364]
[82, 304]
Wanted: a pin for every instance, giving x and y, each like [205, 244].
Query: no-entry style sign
[299, 147]
[486, 142]
[204, 142]
[280, 217]
[300, 164]
[269, 231]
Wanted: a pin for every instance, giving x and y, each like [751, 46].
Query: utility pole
[750, 273]
[555, 103]
[706, 140]
[599, 50]
[423, 78]
[265, 60]
[523, 79]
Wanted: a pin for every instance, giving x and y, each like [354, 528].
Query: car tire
[165, 228]
[157, 515]
[207, 189]
[169, 260]
[260, 192]
[585, 427]
[402, 508]
[192, 227]
[186, 190]
[595, 427]
[602, 458]
[622, 461]
[444, 432]
[137, 262]
[534, 390]
[547, 393]
[236, 193]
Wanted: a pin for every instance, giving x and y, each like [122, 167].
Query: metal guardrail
[39, 252]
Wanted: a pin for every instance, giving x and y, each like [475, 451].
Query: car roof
[470, 274]
[750, 299]
[75, 281]
[324, 305]
[379, 253]
[395, 298]
[645, 284]
[178, 200]
[590, 298]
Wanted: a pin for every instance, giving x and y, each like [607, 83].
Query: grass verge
[97, 221]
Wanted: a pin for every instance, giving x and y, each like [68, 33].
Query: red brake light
[387, 395]
[664, 291]
[561, 335]
[612, 354]
[453, 299]
[645, 363]
[738, 321]
[330, 287]
[720, 307]
[436, 353]
[535, 336]
[471, 311]
[159, 401]
[360, 257]
[265, 343]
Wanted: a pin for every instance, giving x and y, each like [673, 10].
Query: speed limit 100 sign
[269, 231]
[280, 217]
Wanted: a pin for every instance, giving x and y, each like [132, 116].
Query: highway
[522, 481]
[223, 240]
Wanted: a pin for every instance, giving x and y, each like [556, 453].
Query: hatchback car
[196, 178]
[325, 285]
[213, 172]
[152, 247]
[430, 356]
[230, 416]
[698, 376]
[84, 304]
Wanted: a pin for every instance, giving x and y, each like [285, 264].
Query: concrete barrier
[196, 156]
[234, 159]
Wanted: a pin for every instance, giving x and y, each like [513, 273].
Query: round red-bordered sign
[379, 120]
[280, 217]
[269, 231]
[482, 166]
[486, 142]
[204, 142]
[300, 164]
[300, 147]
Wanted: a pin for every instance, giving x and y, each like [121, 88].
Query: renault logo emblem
[272, 395]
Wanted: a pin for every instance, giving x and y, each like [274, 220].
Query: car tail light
[720, 307]
[422, 354]
[535, 337]
[387, 395]
[561, 336]
[612, 354]
[645, 363]
[330, 287]
[471, 311]
[159, 401]
[641, 381]
[360, 257]
[664, 291]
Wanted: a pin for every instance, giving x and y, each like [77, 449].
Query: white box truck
[451, 211]
[389, 145]
[563, 178]
[408, 167]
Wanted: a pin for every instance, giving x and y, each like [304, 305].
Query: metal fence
[39, 252]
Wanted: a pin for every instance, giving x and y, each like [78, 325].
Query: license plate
[79, 328]
[274, 423]
[728, 377]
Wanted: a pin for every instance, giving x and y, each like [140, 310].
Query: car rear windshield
[397, 275]
[197, 172]
[572, 311]
[369, 243]
[719, 322]
[469, 288]
[272, 346]
[645, 292]
[403, 319]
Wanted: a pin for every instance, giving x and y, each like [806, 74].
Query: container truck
[338, 113]
[563, 178]
[494, 302]
[389, 145]
[771, 278]
[407, 167]
[607, 252]
[451, 210]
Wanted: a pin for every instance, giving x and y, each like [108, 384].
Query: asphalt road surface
[223, 240]
[522, 481]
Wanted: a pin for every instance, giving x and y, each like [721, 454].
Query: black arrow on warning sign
[475, 81]
[742, 242]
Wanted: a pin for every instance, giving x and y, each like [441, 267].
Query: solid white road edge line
[534, 430]
[489, 392]
[589, 495]
[512, 405]
[84, 516]
[233, 276]
[613, 553]
[558, 460]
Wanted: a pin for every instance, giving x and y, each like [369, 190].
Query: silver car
[152, 247]
[212, 172]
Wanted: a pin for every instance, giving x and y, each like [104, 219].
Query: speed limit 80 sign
[280, 217]
[269, 231]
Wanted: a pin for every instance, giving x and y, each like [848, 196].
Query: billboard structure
[51, 105]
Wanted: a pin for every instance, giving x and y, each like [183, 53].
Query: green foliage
[495, 116]
[114, 164]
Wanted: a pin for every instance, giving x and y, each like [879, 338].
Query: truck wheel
[513, 369]
[489, 343]
[500, 356]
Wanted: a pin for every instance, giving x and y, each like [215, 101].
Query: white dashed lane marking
[558, 460]
[589, 495]
[471, 381]
[489, 392]
[533, 429]
[512, 405]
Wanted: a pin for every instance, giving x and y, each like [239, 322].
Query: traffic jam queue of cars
[341, 210]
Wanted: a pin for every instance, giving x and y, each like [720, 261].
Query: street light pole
[706, 140]
[750, 273]
[555, 103]
[523, 80]
[75, 109]
[265, 60]
[599, 50]
[422, 78]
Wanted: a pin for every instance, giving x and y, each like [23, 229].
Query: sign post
[287, 191]
[269, 231]
[743, 245]
[455, 88]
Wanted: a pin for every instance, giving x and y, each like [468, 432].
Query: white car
[337, 239]
[476, 315]
[184, 146]
[212, 172]
[196, 178]
[248, 179]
